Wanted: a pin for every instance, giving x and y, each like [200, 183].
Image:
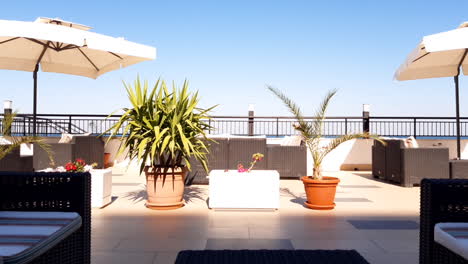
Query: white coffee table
[101, 187]
[258, 189]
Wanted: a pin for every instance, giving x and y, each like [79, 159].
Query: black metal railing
[56, 124]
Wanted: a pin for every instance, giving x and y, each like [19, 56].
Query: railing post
[414, 127]
[346, 126]
[277, 127]
[69, 124]
[24, 125]
[251, 120]
[209, 125]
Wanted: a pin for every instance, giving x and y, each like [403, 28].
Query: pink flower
[240, 168]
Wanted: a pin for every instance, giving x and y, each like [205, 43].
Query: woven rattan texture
[442, 200]
[64, 192]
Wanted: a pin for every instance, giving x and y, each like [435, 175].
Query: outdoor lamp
[365, 118]
[251, 120]
[7, 104]
[366, 107]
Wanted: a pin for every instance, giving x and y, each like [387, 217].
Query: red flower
[69, 166]
[80, 161]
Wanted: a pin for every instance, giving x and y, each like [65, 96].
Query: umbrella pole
[35, 99]
[455, 78]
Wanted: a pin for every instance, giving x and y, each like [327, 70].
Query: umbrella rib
[38, 42]
[97, 69]
[42, 53]
[461, 61]
[55, 46]
[420, 57]
[69, 46]
[116, 55]
[8, 40]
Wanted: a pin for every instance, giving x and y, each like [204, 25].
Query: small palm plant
[165, 127]
[15, 142]
[312, 132]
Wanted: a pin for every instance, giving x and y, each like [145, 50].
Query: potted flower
[163, 129]
[256, 157]
[320, 189]
[101, 180]
[79, 165]
[228, 188]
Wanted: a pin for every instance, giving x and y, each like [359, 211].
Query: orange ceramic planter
[320, 193]
[165, 194]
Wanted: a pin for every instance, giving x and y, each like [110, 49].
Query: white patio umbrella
[439, 55]
[64, 47]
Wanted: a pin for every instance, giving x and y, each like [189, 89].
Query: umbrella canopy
[439, 55]
[59, 46]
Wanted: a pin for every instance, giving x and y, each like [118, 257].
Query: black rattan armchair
[442, 200]
[378, 160]
[408, 166]
[64, 192]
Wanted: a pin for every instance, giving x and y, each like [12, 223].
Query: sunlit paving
[379, 220]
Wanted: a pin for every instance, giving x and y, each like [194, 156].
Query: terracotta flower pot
[165, 193]
[320, 193]
[106, 160]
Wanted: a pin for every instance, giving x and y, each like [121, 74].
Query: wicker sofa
[226, 153]
[408, 166]
[442, 200]
[64, 192]
[89, 148]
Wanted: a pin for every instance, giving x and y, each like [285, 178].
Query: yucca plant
[15, 142]
[164, 128]
[312, 132]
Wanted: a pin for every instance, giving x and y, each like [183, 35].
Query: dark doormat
[270, 256]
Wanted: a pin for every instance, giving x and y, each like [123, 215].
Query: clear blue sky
[230, 50]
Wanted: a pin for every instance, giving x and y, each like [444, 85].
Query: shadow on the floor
[364, 175]
[137, 195]
[372, 178]
[369, 177]
[191, 193]
[299, 199]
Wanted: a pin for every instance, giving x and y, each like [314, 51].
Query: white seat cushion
[453, 236]
[4, 141]
[26, 235]
[411, 142]
[66, 138]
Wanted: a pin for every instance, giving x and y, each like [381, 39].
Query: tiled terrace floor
[127, 232]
